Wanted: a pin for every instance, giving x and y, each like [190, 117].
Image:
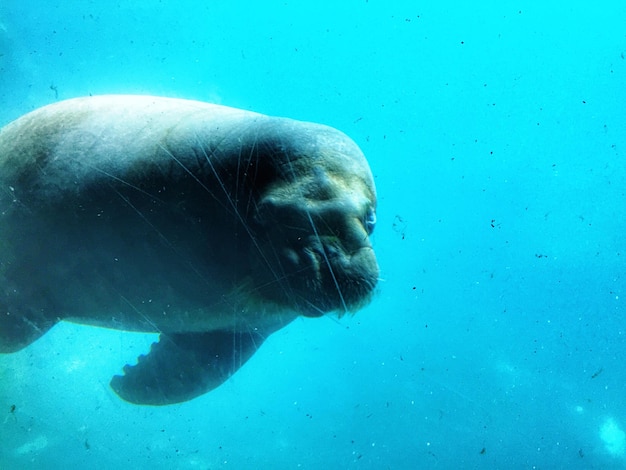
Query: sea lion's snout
[321, 251]
[349, 277]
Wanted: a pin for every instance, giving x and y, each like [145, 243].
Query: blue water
[497, 136]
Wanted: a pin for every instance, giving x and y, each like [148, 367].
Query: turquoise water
[497, 137]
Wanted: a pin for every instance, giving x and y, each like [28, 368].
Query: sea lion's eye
[369, 222]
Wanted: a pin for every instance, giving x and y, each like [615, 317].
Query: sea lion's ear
[180, 367]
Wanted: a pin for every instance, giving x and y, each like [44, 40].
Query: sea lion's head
[313, 220]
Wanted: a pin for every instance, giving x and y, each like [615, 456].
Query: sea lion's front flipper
[182, 366]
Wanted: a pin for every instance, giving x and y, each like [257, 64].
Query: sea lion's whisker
[251, 203]
[163, 237]
[333, 318]
[312, 305]
[237, 213]
[327, 261]
[253, 334]
[119, 180]
[143, 315]
[233, 205]
[197, 180]
[141, 215]
[323, 250]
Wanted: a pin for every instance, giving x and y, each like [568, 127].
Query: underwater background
[496, 132]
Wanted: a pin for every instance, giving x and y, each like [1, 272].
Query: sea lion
[210, 225]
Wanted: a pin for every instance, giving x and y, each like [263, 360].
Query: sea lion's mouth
[317, 252]
[334, 280]
[350, 279]
[321, 277]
